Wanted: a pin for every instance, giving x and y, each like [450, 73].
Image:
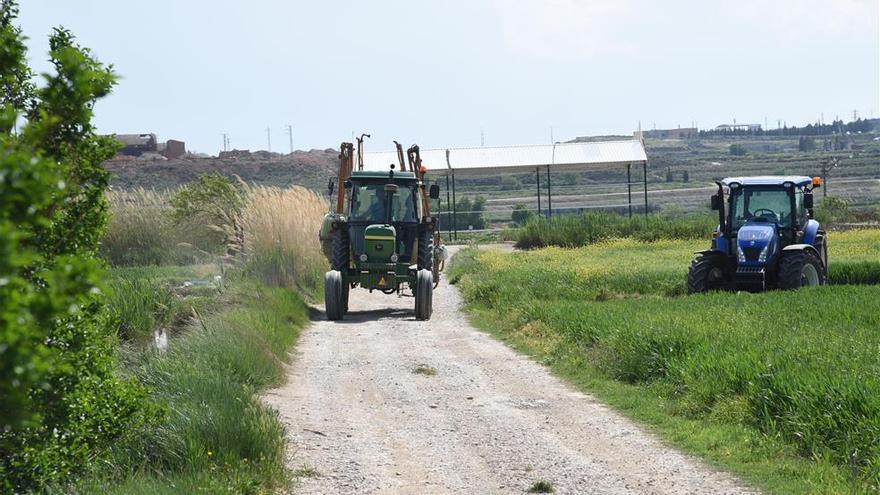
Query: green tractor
[380, 234]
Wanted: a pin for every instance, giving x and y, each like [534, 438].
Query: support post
[448, 211]
[629, 191]
[549, 195]
[454, 210]
[645, 183]
[538, 182]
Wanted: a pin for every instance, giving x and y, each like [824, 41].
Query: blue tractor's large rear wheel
[800, 269]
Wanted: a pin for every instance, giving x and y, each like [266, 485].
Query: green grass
[589, 228]
[148, 298]
[214, 436]
[782, 388]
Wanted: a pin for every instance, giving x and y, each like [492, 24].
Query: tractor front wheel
[424, 294]
[335, 295]
[707, 272]
[800, 269]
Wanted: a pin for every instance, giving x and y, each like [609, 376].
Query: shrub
[521, 214]
[834, 209]
[62, 403]
[205, 206]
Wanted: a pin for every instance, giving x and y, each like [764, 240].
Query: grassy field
[782, 388]
[227, 343]
[229, 323]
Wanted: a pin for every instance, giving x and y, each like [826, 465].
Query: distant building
[138, 144]
[174, 149]
[679, 133]
[738, 127]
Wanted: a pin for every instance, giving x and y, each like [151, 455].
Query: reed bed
[275, 237]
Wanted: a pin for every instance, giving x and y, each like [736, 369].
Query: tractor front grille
[750, 270]
[752, 253]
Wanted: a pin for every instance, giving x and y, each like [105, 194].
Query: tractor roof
[363, 174]
[769, 180]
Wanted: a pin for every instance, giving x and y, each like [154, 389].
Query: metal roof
[769, 180]
[383, 174]
[518, 159]
[136, 139]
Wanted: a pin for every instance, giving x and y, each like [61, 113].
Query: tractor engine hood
[756, 243]
[379, 241]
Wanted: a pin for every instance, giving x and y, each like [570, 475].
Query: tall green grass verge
[592, 227]
[216, 436]
[781, 387]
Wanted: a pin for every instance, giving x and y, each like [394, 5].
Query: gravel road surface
[382, 403]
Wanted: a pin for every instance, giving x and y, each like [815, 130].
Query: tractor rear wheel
[426, 250]
[707, 272]
[334, 305]
[340, 249]
[800, 269]
[424, 294]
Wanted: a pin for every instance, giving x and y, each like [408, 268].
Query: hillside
[311, 169]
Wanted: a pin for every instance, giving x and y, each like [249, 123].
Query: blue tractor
[766, 237]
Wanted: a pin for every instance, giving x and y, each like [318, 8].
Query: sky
[450, 73]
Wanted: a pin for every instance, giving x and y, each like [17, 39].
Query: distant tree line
[817, 129]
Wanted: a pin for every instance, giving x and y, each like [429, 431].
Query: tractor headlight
[762, 257]
[394, 258]
[740, 255]
[364, 257]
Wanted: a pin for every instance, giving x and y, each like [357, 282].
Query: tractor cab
[383, 208]
[766, 233]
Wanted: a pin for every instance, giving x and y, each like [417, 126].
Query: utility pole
[225, 142]
[290, 135]
[269, 139]
[482, 138]
[551, 134]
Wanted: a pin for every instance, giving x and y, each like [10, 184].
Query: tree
[737, 150]
[685, 176]
[521, 214]
[806, 144]
[470, 213]
[509, 183]
[669, 176]
[62, 402]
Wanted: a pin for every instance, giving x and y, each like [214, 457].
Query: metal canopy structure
[518, 159]
[494, 160]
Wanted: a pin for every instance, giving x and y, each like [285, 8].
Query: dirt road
[488, 421]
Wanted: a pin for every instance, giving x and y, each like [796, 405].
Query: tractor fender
[711, 251]
[810, 231]
[804, 247]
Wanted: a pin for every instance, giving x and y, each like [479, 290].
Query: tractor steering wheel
[766, 214]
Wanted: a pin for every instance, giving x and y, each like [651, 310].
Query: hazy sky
[437, 72]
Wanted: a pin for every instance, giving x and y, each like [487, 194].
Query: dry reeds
[139, 231]
[276, 236]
